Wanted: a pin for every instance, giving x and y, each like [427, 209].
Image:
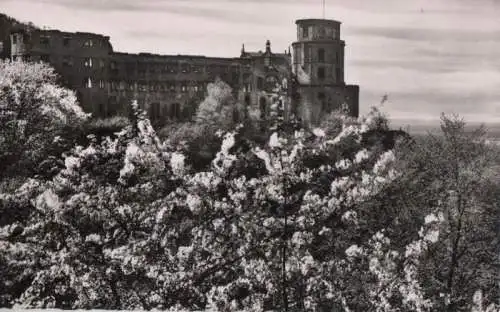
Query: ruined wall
[81, 60]
[167, 86]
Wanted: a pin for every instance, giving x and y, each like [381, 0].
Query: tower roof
[317, 21]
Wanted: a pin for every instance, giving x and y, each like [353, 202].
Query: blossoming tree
[294, 223]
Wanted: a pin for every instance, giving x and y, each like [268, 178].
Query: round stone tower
[318, 63]
[319, 51]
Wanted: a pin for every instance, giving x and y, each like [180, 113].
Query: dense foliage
[339, 218]
[35, 116]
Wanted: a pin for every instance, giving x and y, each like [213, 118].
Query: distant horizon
[420, 53]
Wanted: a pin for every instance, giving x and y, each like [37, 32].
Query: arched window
[260, 83]
[263, 107]
[321, 55]
[271, 83]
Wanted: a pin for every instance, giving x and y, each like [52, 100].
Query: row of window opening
[67, 42]
[320, 56]
[144, 87]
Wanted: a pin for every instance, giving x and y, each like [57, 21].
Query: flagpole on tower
[323, 9]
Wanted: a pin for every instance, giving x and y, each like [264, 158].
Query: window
[212, 69]
[185, 68]
[112, 65]
[14, 39]
[260, 83]
[45, 58]
[321, 73]
[88, 43]
[87, 62]
[322, 32]
[87, 83]
[263, 107]
[235, 78]
[297, 56]
[102, 84]
[307, 55]
[271, 83]
[338, 74]
[305, 32]
[171, 67]
[155, 111]
[67, 61]
[183, 88]
[45, 40]
[175, 110]
[102, 64]
[66, 41]
[322, 101]
[247, 100]
[321, 55]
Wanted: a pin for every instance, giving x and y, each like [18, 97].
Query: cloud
[419, 65]
[427, 34]
[99, 5]
[425, 106]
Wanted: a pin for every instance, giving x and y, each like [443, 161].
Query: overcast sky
[429, 56]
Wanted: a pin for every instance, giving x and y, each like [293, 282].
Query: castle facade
[170, 87]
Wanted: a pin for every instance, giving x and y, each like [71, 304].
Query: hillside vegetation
[227, 215]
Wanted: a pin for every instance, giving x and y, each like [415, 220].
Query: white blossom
[320, 133]
[384, 160]
[262, 154]
[227, 143]
[361, 156]
[93, 238]
[71, 163]
[274, 141]
[353, 251]
[194, 203]
[177, 163]
[343, 164]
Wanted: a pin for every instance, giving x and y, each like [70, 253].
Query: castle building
[170, 87]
